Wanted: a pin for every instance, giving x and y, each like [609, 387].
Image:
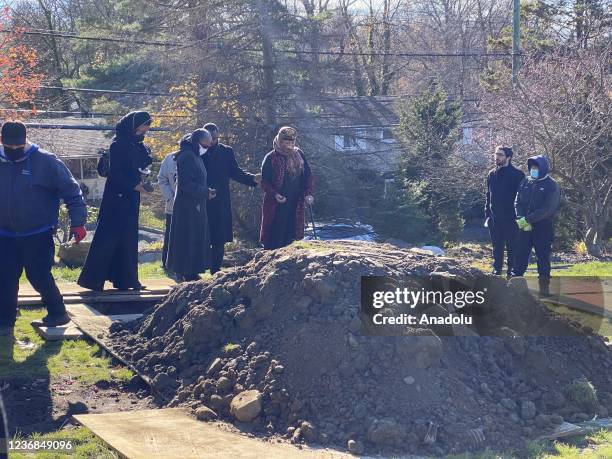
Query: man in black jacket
[221, 165]
[32, 182]
[536, 203]
[502, 185]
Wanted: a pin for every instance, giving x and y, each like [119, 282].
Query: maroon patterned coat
[271, 183]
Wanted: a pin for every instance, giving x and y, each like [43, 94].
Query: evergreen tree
[429, 130]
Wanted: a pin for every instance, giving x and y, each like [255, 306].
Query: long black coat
[502, 186]
[113, 254]
[189, 244]
[221, 165]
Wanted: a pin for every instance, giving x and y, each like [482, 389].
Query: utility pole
[516, 40]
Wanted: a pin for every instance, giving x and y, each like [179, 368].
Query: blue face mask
[534, 173]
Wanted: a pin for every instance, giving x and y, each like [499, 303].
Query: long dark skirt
[284, 223]
[189, 244]
[113, 254]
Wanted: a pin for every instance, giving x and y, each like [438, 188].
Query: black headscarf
[192, 140]
[126, 127]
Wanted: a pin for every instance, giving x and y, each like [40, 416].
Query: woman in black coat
[113, 254]
[189, 244]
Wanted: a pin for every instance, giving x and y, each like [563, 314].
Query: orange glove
[79, 233]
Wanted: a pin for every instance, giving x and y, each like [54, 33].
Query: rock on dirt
[279, 343]
[246, 406]
[355, 447]
[203, 413]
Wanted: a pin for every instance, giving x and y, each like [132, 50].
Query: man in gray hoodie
[166, 179]
[32, 183]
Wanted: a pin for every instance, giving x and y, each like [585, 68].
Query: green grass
[594, 446]
[85, 445]
[601, 325]
[151, 270]
[30, 357]
[588, 269]
[149, 219]
[591, 268]
[229, 347]
[316, 246]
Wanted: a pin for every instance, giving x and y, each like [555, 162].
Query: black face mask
[14, 154]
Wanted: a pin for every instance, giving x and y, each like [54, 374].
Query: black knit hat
[13, 133]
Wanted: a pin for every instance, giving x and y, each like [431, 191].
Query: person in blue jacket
[32, 183]
[536, 204]
[113, 254]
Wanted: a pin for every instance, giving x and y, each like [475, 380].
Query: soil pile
[278, 344]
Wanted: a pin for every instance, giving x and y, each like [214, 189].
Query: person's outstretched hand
[280, 198]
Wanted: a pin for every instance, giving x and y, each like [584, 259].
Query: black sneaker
[52, 321]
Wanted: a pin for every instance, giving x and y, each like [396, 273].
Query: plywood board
[173, 433]
[72, 289]
[99, 298]
[65, 332]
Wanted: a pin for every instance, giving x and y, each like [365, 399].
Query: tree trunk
[595, 235]
[268, 66]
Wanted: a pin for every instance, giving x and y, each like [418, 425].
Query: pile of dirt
[278, 344]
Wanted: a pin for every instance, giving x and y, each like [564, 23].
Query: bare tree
[562, 107]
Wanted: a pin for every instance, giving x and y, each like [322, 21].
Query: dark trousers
[166, 239]
[35, 254]
[503, 238]
[217, 251]
[541, 239]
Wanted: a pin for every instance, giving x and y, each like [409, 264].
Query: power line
[112, 91]
[307, 99]
[82, 127]
[72, 35]
[84, 115]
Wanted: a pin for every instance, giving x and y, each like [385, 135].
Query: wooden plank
[568, 429]
[31, 301]
[71, 288]
[97, 327]
[65, 332]
[81, 310]
[88, 293]
[172, 432]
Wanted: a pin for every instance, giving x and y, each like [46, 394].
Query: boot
[544, 286]
[52, 320]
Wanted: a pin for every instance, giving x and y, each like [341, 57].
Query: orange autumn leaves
[19, 76]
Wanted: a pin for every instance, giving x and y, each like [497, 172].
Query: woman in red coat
[287, 183]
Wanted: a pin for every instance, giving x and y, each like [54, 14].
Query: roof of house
[352, 112]
[341, 113]
[71, 142]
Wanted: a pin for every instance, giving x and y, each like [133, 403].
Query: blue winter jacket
[30, 192]
[538, 199]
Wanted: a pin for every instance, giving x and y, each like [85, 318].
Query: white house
[79, 149]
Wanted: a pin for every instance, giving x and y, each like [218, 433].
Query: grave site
[327, 229]
[274, 358]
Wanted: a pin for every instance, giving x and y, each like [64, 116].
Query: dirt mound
[284, 332]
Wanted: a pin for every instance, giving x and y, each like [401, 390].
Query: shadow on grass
[27, 366]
